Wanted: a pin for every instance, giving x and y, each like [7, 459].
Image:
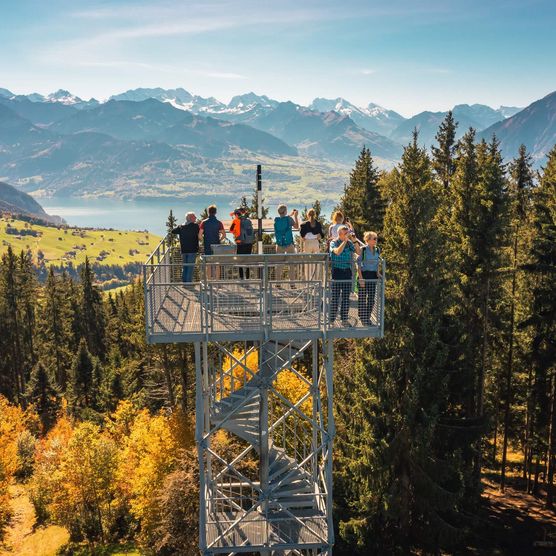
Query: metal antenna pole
[260, 209]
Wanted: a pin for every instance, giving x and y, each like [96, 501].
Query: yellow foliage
[48, 460]
[287, 383]
[75, 478]
[120, 423]
[293, 389]
[236, 376]
[12, 424]
[150, 453]
[14, 421]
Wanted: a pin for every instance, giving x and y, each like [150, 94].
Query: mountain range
[19, 203]
[535, 127]
[148, 139]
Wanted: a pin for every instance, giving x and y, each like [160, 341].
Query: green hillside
[62, 245]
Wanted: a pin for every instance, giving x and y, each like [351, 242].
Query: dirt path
[509, 524]
[21, 539]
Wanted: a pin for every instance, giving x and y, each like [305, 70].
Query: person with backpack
[283, 232]
[188, 233]
[244, 234]
[367, 268]
[211, 232]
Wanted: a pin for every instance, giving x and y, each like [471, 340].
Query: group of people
[342, 245]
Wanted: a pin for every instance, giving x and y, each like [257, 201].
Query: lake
[142, 214]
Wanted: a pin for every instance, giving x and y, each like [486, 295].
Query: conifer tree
[542, 320]
[82, 379]
[491, 224]
[43, 394]
[13, 355]
[27, 290]
[171, 224]
[91, 312]
[400, 480]
[443, 155]
[362, 201]
[253, 208]
[55, 328]
[521, 184]
[474, 228]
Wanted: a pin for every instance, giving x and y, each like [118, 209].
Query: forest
[99, 426]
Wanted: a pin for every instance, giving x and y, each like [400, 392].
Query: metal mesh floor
[238, 308]
[281, 531]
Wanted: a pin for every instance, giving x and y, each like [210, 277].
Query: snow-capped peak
[248, 100]
[64, 97]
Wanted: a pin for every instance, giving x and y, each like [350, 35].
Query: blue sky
[408, 55]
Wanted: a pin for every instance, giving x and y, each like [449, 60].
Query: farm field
[64, 245]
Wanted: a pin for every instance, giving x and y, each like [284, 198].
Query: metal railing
[269, 294]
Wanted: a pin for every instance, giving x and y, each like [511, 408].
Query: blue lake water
[140, 214]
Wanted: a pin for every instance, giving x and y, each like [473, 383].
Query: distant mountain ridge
[323, 134]
[372, 118]
[535, 127]
[60, 144]
[19, 203]
[151, 120]
[182, 98]
[477, 116]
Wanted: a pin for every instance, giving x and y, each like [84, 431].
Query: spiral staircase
[285, 510]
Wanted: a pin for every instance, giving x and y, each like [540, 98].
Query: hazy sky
[408, 55]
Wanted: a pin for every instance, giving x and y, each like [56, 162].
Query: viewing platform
[280, 297]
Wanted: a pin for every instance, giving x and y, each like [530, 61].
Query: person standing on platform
[283, 232]
[311, 234]
[367, 267]
[341, 261]
[338, 221]
[244, 235]
[188, 233]
[211, 233]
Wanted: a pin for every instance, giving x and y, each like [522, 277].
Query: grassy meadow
[62, 245]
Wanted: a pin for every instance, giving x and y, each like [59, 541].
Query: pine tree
[443, 155]
[82, 378]
[490, 230]
[27, 293]
[542, 320]
[521, 184]
[55, 328]
[362, 201]
[13, 359]
[42, 393]
[253, 208]
[91, 312]
[399, 476]
[171, 224]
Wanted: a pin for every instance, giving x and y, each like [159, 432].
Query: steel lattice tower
[265, 451]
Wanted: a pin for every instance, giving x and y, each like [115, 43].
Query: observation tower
[264, 364]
